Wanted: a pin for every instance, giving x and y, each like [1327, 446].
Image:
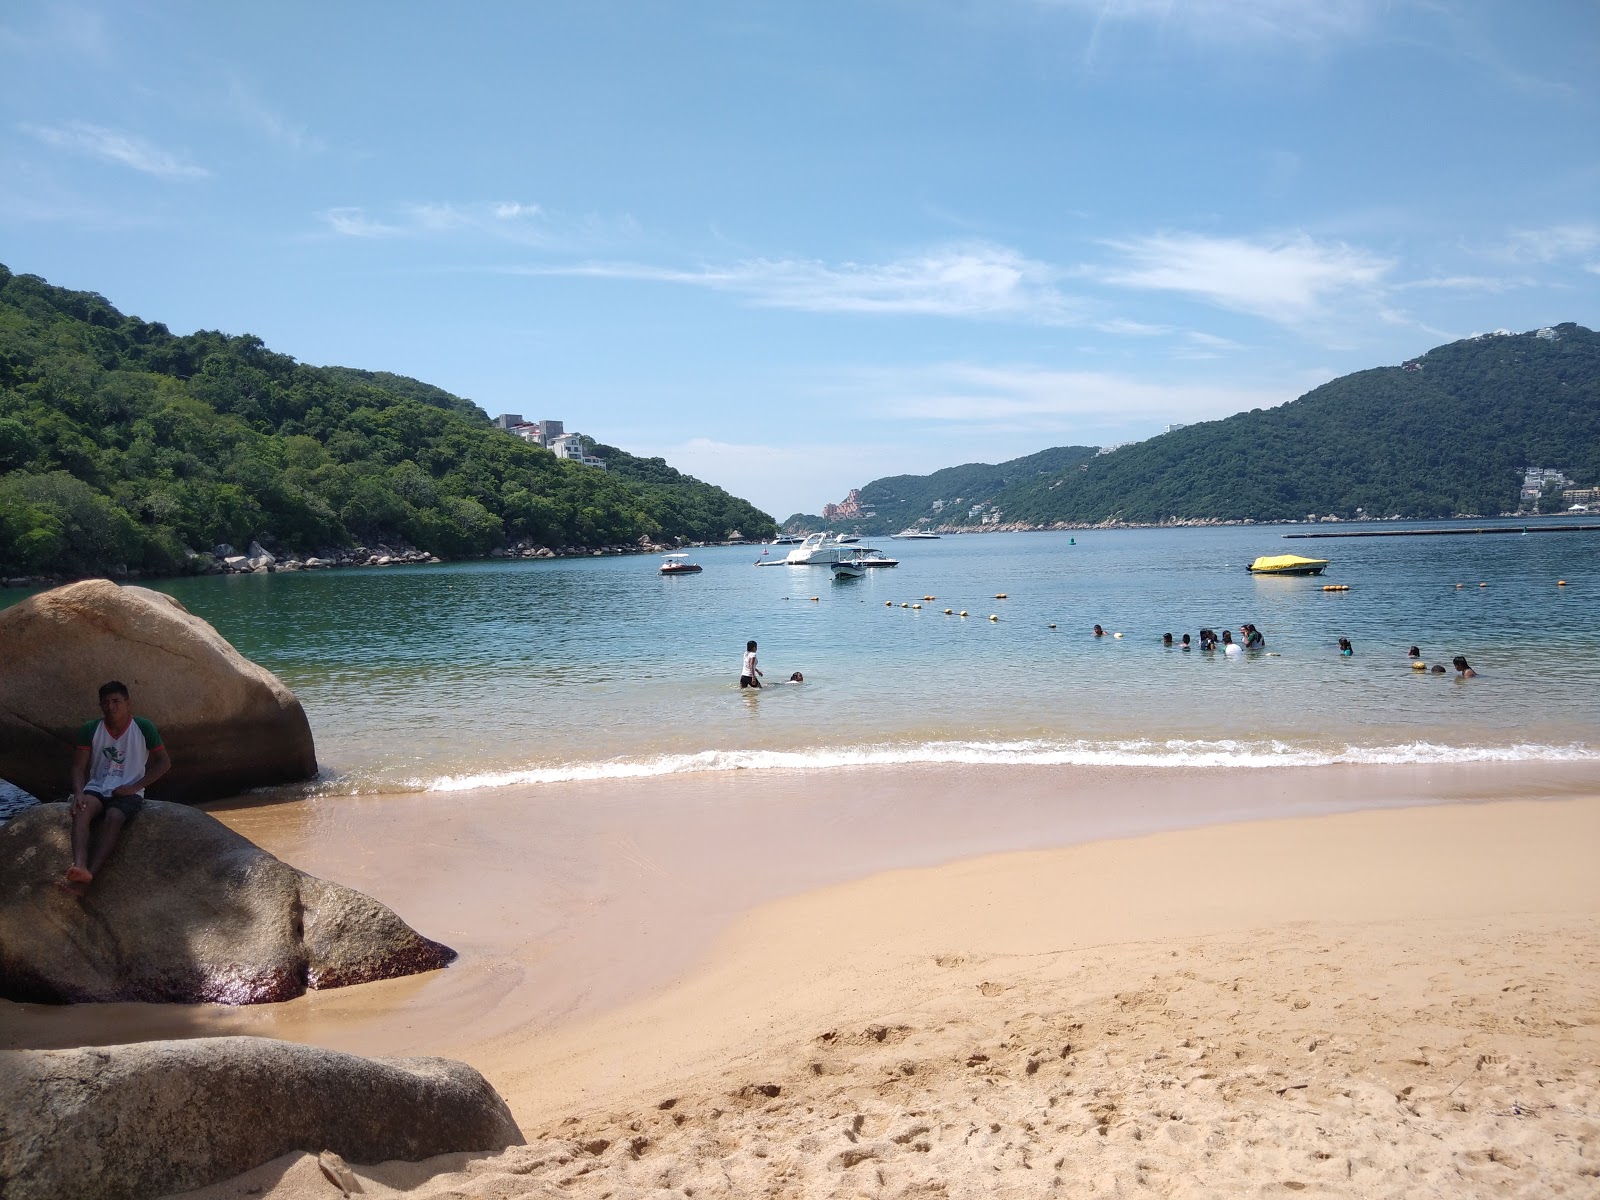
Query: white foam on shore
[1134, 753]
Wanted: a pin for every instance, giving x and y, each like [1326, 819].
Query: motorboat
[913, 534]
[819, 550]
[848, 570]
[1287, 564]
[866, 557]
[786, 539]
[678, 564]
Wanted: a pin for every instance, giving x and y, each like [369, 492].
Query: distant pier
[1450, 532]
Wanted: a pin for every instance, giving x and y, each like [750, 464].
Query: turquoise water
[464, 675]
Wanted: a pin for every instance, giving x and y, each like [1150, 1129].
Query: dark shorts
[749, 681]
[128, 806]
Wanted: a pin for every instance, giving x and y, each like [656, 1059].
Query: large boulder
[125, 1122]
[185, 911]
[228, 723]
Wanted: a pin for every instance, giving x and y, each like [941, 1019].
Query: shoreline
[1368, 1002]
[383, 556]
[567, 901]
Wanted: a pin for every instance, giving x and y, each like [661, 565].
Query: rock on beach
[186, 911]
[146, 1120]
[228, 723]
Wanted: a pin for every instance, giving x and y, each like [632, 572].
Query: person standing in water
[749, 673]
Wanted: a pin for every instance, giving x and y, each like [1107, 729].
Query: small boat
[913, 534]
[678, 564]
[848, 570]
[1286, 564]
[786, 539]
[866, 557]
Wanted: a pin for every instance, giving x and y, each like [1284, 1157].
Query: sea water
[458, 676]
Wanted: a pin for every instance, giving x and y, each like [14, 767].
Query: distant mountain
[944, 498]
[124, 445]
[1447, 433]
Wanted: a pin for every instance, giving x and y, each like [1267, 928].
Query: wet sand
[873, 981]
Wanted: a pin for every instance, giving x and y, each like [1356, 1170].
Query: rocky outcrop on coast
[228, 723]
[146, 1120]
[186, 911]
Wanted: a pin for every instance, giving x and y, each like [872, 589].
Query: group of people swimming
[1251, 638]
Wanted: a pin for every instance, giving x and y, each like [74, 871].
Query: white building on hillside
[570, 446]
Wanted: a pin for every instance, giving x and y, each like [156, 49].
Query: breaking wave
[1186, 754]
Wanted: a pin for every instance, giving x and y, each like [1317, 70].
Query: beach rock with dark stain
[126, 1122]
[186, 911]
[230, 724]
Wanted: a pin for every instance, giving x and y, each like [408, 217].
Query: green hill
[1447, 433]
[122, 444]
[1444, 434]
[945, 497]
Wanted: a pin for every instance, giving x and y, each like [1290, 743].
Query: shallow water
[465, 675]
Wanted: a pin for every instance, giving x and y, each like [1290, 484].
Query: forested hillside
[1451, 435]
[122, 444]
[946, 496]
[1447, 433]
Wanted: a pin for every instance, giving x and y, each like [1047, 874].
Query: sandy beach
[970, 981]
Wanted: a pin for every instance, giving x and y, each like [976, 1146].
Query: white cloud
[1462, 283]
[968, 280]
[1552, 243]
[511, 221]
[1034, 397]
[114, 146]
[272, 124]
[354, 222]
[1286, 279]
[1232, 21]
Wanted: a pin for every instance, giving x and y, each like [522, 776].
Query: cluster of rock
[526, 549]
[186, 912]
[229, 723]
[225, 560]
[156, 1118]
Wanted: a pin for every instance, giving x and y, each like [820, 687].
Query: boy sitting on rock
[116, 758]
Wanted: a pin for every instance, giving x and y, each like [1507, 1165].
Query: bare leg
[78, 875]
[106, 840]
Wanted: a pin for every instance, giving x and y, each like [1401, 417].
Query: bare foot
[73, 888]
[79, 875]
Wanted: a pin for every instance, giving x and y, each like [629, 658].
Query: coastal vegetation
[125, 446]
[1447, 433]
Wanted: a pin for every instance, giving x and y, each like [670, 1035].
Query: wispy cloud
[272, 124]
[1285, 279]
[1035, 397]
[517, 222]
[1552, 243]
[1214, 21]
[1461, 283]
[967, 280]
[111, 145]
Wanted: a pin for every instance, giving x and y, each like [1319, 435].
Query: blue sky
[793, 247]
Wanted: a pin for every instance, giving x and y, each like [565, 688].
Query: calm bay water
[468, 675]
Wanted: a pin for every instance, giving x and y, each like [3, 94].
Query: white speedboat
[678, 564]
[866, 557]
[913, 534]
[848, 570]
[820, 550]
